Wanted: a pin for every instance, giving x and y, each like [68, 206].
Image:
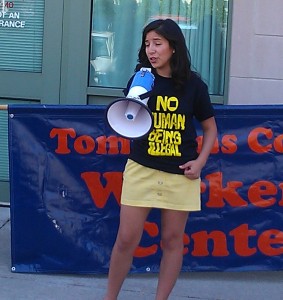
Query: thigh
[132, 221]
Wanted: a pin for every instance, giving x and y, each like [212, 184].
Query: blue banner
[66, 170]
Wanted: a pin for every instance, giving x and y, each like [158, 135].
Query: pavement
[260, 285]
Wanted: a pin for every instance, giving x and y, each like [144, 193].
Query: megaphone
[130, 117]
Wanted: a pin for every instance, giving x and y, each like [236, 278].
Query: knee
[126, 243]
[172, 242]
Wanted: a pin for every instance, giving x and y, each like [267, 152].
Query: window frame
[42, 86]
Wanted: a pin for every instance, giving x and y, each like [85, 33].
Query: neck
[164, 72]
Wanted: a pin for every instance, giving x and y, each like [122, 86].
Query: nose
[151, 48]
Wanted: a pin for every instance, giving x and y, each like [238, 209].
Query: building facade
[82, 52]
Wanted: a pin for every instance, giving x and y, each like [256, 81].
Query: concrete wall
[256, 59]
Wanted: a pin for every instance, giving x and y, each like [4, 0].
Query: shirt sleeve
[203, 108]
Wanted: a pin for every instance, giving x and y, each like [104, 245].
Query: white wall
[256, 62]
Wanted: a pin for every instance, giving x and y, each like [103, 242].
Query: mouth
[153, 60]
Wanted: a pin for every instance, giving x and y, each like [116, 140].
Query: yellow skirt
[146, 187]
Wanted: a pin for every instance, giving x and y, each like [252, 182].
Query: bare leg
[172, 228]
[130, 231]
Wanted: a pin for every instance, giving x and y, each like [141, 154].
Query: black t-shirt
[172, 141]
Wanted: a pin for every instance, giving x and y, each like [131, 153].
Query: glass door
[30, 62]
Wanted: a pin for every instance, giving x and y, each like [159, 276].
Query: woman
[163, 169]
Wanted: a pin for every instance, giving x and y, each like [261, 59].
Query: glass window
[21, 35]
[117, 28]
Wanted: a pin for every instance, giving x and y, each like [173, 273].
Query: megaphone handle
[146, 95]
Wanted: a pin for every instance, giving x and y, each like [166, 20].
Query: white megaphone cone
[130, 117]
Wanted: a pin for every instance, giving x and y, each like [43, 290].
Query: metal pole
[4, 107]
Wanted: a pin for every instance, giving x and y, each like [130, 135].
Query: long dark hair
[180, 61]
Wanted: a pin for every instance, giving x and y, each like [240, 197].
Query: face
[159, 53]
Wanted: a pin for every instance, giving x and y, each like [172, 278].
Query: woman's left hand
[192, 169]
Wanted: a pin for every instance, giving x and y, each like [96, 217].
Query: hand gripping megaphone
[130, 117]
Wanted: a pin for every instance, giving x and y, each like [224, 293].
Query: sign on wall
[21, 35]
[66, 173]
